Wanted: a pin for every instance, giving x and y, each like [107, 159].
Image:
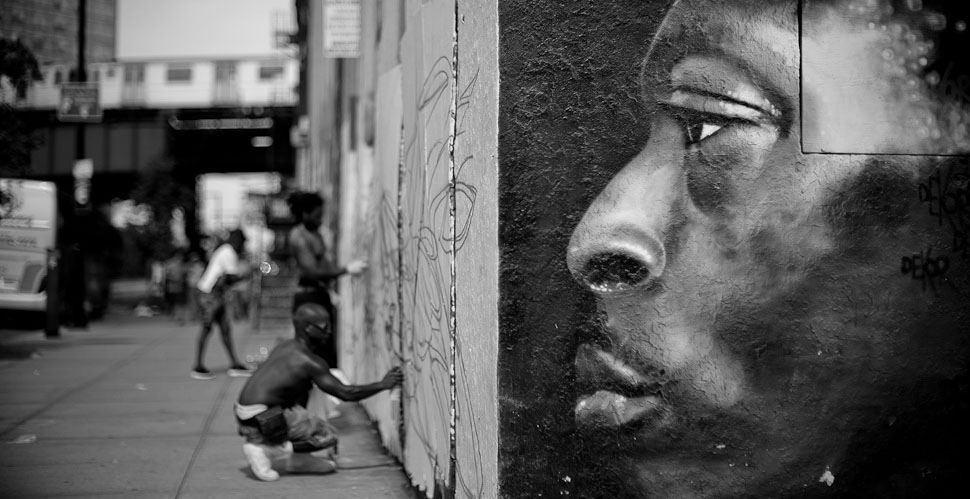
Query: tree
[161, 194]
[18, 68]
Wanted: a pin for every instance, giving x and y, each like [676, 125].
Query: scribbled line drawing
[427, 241]
[425, 275]
[389, 261]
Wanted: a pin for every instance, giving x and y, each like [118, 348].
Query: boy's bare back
[285, 378]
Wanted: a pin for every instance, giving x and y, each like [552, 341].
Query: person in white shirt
[220, 274]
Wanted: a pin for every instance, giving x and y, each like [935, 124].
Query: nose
[619, 243]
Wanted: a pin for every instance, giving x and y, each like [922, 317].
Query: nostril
[608, 272]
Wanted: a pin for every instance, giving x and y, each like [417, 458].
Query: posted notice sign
[341, 30]
[79, 102]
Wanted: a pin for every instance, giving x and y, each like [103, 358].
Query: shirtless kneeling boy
[271, 409]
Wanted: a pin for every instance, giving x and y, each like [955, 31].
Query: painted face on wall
[758, 337]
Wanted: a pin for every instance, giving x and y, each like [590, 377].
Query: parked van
[28, 228]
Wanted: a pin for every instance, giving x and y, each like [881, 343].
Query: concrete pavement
[112, 412]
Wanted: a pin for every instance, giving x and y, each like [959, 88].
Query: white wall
[217, 29]
[425, 217]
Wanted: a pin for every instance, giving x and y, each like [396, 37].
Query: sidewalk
[112, 412]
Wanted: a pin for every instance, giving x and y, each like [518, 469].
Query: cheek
[783, 213]
[775, 240]
[726, 174]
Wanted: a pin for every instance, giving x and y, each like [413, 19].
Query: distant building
[193, 112]
[203, 111]
[178, 83]
[49, 29]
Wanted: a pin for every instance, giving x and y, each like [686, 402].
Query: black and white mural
[734, 248]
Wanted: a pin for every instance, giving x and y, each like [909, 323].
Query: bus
[28, 229]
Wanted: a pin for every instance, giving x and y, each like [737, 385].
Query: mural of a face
[757, 336]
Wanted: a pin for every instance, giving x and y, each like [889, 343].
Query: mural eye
[698, 126]
[699, 130]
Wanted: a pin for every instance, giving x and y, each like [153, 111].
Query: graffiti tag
[947, 200]
[925, 267]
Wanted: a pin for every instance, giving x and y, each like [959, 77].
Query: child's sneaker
[259, 462]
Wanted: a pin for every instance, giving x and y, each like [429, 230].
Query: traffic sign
[342, 29]
[80, 102]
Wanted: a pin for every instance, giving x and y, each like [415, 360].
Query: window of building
[134, 73]
[270, 72]
[178, 73]
[58, 77]
[225, 71]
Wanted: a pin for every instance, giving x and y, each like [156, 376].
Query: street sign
[83, 171]
[80, 102]
[341, 30]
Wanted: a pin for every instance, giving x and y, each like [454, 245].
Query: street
[112, 411]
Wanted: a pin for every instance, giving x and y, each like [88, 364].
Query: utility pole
[77, 287]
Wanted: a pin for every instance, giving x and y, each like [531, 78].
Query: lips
[606, 409]
[621, 395]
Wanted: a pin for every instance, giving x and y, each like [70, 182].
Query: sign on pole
[80, 102]
[341, 30]
[83, 171]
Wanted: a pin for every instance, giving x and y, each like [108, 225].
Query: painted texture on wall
[426, 252]
[692, 306]
[476, 251]
[412, 206]
[383, 315]
[914, 65]
[370, 175]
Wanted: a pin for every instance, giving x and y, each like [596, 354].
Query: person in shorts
[271, 408]
[222, 271]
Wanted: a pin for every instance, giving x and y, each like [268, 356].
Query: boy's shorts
[213, 306]
[307, 432]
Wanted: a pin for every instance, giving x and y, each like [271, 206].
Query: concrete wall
[417, 198]
[475, 172]
[610, 268]
[693, 305]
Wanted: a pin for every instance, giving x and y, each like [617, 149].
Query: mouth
[606, 409]
[620, 395]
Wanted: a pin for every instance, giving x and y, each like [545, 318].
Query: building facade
[177, 83]
[49, 28]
